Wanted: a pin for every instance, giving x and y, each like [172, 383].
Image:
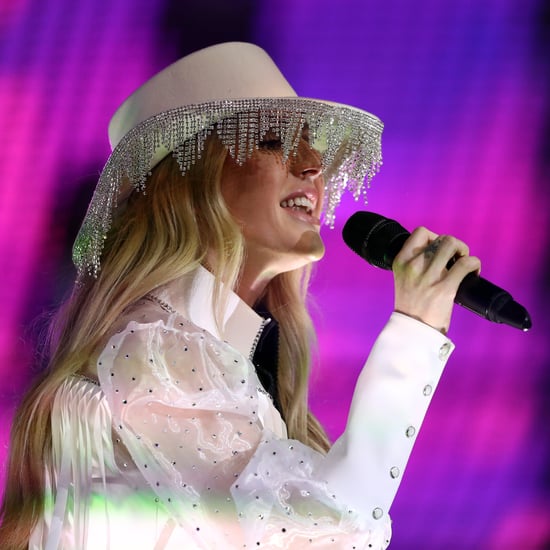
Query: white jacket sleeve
[190, 411]
[391, 397]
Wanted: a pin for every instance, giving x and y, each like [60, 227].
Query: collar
[192, 297]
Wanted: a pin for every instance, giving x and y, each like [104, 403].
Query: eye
[270, 144]
[305, 133]
[271, 141]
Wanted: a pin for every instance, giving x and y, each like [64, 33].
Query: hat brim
[348, 140]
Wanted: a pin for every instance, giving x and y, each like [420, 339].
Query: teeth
[303, 202]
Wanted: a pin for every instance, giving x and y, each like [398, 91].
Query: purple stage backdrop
[462, 88]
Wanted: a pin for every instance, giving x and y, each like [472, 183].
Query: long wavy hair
[156, 237]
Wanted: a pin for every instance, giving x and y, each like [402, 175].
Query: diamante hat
[236, 90]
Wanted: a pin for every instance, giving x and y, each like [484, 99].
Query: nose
[306, 163]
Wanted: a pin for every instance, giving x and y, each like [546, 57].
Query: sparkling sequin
[349, 141]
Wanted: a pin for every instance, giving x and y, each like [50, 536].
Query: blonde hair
[156, 237]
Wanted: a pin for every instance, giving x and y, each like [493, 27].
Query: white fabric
[199, 457]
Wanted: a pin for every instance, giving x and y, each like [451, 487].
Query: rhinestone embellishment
[349, 141]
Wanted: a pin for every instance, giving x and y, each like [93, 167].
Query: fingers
[420, 238]
[427, 271]
[450, 258]
[436, 253]
[460, 268]
[443, 251]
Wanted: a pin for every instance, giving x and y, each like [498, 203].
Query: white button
[444, 350]
[394, 472]
[377, 513]
[411, 430]
[427, 390]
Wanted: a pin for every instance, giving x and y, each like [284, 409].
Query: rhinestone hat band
[349, 141]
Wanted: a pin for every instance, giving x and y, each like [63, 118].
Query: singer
[174, 410]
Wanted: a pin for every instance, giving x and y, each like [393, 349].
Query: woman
[174, 410]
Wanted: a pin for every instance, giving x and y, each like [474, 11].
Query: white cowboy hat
[236, 90]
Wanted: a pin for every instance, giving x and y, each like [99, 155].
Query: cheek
[241, 188]
[249, 209]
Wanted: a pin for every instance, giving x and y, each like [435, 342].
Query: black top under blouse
[266, 356]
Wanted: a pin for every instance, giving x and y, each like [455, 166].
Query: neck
[252, 284]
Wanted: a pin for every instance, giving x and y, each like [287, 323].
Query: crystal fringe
[348, 139]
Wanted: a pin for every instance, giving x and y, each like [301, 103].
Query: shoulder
[137, 316]
[151, 343]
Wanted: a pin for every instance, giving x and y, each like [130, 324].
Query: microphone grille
[375, 238]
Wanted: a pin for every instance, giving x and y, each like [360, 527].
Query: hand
[424, 288]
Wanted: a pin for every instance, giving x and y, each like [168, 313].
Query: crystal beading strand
[349, 141]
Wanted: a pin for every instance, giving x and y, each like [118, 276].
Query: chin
[310, 248]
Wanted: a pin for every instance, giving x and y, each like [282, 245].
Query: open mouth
[299, 203]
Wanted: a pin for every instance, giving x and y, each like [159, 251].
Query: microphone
[378, 240]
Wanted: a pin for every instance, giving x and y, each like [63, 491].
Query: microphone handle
[491, 302]
[474, 292]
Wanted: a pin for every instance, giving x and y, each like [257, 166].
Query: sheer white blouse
[179, 446]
